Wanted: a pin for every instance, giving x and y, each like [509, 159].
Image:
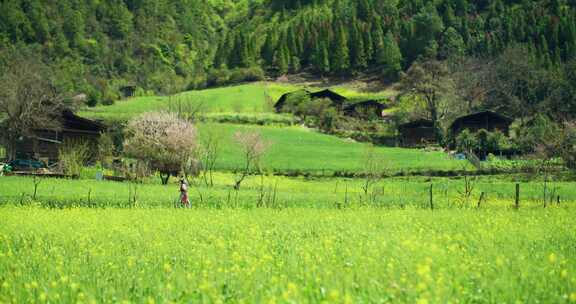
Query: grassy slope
[297, 148]
[247, 99]
[299, 256]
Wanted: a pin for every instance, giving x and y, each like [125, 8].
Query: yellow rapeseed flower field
[287, 256]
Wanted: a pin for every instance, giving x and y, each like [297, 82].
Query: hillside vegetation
[168, 46]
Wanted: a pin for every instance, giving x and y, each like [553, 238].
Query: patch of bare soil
[367, 83]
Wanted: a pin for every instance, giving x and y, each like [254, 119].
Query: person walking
[184, 199]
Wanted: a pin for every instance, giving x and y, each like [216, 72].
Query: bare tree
[28, 100]
[252, 147]
[470, 82]
[209, 152]
[430, 83]
[163, 140]
[517, 85]
[373, 168]
[189, 108]
[567, 147]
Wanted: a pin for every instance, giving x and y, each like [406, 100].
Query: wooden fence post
[517, 202]
[431, 198]
[480, 200]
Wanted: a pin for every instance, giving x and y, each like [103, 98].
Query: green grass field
[297, 148]
[324, 193]
[292, 256]
[246, 98]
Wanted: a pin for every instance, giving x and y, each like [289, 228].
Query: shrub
[218, 77]
[73, 156]
[109, 96]
[94, 97]
[247, 74]
[254, 73]
[296, 102]
[106, 150]
[328, 120]
[466, 141]
[497, 141]
[237, 76]
[197, 82]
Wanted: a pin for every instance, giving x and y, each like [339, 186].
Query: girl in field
[184, 199]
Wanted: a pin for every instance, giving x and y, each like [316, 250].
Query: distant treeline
[95, 47]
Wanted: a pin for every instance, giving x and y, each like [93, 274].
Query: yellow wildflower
[552, 258]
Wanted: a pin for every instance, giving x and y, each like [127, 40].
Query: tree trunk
[10, 148]
[165, 177]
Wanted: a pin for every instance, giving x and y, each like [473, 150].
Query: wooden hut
[487, 120]
[417, 133]
[279, 106]
[128, 91]
[369, 109]
[45, 144]
[336, 99]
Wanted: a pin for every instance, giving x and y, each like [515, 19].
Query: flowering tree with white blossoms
[162, 140]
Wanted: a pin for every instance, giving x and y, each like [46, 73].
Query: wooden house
[369, 109]
[337, 99]
[45, 144]
[487, 120]
[417, 133]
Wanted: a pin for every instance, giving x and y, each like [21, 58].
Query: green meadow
[284, 192]
[246, 98]
[301, 149]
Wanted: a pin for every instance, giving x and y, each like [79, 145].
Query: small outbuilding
[417, 133]
[369, 109]
[279, 106]
[336, 99]
[128, 91]
[45, 144]
[487, 120]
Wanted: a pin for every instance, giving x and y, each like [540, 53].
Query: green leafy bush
[466, 141]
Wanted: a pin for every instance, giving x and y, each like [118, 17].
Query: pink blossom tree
[162, 140]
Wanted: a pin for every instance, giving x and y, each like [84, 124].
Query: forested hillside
[168, 46]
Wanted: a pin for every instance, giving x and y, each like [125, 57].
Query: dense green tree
[452, 44]
[340, 60]
[390, 57]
